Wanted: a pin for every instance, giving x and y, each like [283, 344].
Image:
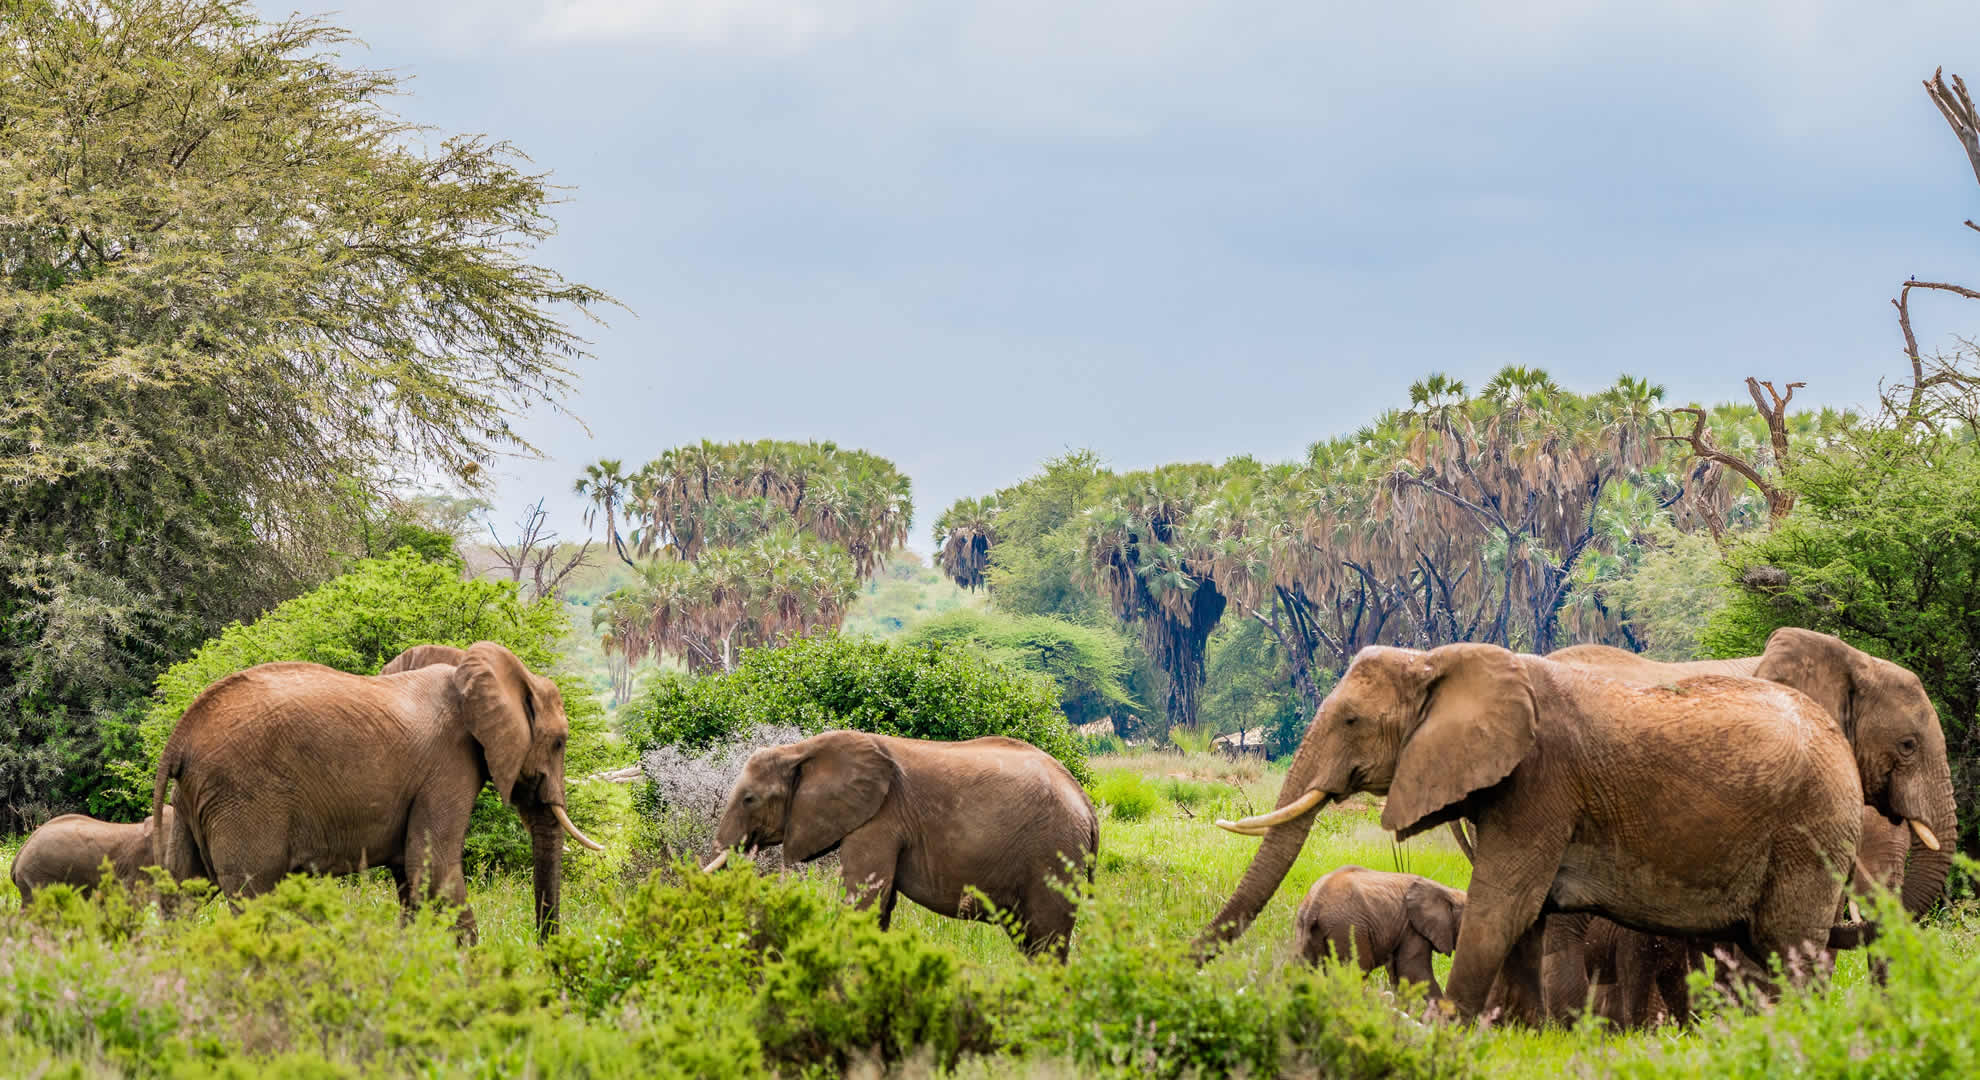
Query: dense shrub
[827, 682]
[360, 620]
[1127, 795]
[1088, 664]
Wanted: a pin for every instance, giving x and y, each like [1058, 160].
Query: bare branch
[1956, 105]
[1779, 502]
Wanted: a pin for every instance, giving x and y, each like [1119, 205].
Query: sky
[968, 237]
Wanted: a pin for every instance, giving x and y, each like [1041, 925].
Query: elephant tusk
[1256, 826]
[717, 862]
[1240, 829]
[564, 820]
[1924, 834]
[1855, 913]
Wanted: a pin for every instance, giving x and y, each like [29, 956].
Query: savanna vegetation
[244, 297]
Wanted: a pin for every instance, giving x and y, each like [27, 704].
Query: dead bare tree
[1956, 105]
[1773, 406]
[535, 551]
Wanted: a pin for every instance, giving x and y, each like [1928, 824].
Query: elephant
[1639, 979]
[292, 767]
[69, 850]
[928, 820]
[1381, 919]
[1719, 807]
[1900, 751]
[1893, 729]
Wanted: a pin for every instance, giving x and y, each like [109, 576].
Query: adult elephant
[298, 768]
[1714, 807]
[928, 820]
[1893, 730]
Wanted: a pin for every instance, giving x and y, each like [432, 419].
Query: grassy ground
[324, 981]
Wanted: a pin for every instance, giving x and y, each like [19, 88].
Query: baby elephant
[1386, 919]
[928, 820]
[70, 850]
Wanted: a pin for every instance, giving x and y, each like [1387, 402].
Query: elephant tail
[168, 770]
[1092, 850]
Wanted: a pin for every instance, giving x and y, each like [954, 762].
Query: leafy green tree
[1088, 664]
[1882, 550]
[240, 294]
[826, 682]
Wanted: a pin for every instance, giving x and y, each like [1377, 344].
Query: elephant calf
[1382, 919]
[930, 820]
[69, 850]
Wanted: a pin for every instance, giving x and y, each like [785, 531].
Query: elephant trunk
[1925, 871]
[546, 838]
[1268, 867]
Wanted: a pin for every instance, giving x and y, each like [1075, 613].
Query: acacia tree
[241, 295]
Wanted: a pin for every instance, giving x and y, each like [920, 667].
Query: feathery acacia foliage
[744, 544]
[239, 298]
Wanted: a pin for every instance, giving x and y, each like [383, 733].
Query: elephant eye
[1908, 745]
[749, 797]
[1347, 720]
[557, 743]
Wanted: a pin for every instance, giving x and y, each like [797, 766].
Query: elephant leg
[1674, 987]
[1636, 972]
[867, 865]
[432, 868]
[1517, 859]
[1412, 963]
[1564, 967]
[1047, 919]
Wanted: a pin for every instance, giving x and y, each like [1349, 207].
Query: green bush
[827, 682]
[362, 619]
[1088, 664]
[1127, 795]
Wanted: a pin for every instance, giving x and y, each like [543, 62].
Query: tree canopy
[743, 544]
[242, 294]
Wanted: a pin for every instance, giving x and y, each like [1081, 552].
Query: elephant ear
[837, 785]
[1475, 725]
[1821, 666]
[1434, 911]
[420, 656]
[494, 690]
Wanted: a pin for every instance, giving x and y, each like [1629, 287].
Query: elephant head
[1435, 910]
[806, 796]
[1427, 729]
[1900, 748]
[517, 717]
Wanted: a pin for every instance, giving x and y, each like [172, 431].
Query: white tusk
[1255, 826]
[1855, 913]
[1924, 834]
[565, 821]
[716, 863]
[1240, 829]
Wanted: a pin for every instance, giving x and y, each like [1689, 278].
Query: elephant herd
[1628, 815]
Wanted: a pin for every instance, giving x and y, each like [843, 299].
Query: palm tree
[964, 535]
[605, 485]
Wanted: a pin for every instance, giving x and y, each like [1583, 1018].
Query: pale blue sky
[967, 237]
